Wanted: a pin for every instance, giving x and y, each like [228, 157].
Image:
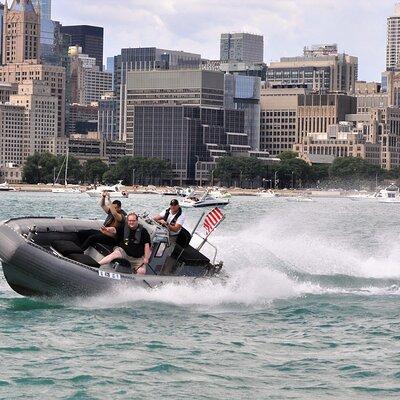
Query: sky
[357, 26]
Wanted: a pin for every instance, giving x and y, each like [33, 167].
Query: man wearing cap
[172, 218]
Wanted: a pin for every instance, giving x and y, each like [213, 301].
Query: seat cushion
[84, 259]
[46, 238]
[66, 247]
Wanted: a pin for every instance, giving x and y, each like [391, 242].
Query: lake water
[310, 311]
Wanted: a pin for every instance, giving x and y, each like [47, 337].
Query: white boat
[115, 192]
[220, 193]
[69, 190]
[300, 199]
[5, 187]
[187, 192]
[391, 194]
[360, 195]
[171, 191]
[202, 200]
[150, 189]
[65, 189]
[267, 193]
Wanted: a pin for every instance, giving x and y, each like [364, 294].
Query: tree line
[291, 171]
[344, 172]
[45, 167]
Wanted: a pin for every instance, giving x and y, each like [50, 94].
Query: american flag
[212, 219]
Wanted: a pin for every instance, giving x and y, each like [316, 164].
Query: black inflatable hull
[31, 270]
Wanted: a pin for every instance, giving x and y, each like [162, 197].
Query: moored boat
[267, 193]
[115, 192]
[171, 191]
[65, 189]
[150, 189]
[220, 193]
[5, 187]
[69, 190]
[390, 194]
[197, 200]
[300, 199]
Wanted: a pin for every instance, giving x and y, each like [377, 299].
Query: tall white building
[12, 134]
[393, 39]
[28, 124]
[40, 115]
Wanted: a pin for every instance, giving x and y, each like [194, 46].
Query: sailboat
[64, 189]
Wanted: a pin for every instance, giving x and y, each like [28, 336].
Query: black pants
[93, 236]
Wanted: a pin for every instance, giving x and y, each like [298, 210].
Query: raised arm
[103, 205]
[117, 216]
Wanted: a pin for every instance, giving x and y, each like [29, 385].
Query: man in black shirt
[133, 245]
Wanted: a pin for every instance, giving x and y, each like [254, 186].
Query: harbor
[235, 192]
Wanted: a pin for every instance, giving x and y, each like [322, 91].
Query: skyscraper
[90, 38]
[45, 9]
[89, 83]
[21, 33]
[179, 87]
[21, 54]
[243, 93]
[47, 32]
[1, 31]
[145, 59]
[393, 39]
[242, 47]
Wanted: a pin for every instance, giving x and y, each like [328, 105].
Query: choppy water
[311, 311]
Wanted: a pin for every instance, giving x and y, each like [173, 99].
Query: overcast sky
[357, 26]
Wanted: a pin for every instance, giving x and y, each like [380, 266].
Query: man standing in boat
[173, 219]
[133, 244]
[115, 218]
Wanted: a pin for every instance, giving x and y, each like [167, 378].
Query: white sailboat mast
[66, 170]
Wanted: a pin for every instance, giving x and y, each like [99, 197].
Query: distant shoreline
[234, 191]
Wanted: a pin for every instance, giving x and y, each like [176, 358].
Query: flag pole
[208, 234]
[197, 225]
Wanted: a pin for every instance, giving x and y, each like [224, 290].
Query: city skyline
[358, 27]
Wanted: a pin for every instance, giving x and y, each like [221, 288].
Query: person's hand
[145, 260]
[103, 229]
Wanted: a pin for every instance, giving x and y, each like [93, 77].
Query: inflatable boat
[42, 256]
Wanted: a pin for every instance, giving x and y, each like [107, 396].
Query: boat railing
[205, 240]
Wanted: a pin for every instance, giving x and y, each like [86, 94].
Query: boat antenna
[197, 225]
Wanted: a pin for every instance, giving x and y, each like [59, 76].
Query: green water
[310, 311]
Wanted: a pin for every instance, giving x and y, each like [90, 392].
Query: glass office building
[185, 135]
[243, 93]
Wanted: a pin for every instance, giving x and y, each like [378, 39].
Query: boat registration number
[110, 275]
